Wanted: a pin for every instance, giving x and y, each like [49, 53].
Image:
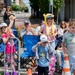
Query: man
[28, 29]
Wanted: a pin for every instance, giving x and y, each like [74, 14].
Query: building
[27, 3]
[67, 11]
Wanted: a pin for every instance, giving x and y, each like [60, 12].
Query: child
[10, 49]
[69, 42]
[48, 28]
[43, 50]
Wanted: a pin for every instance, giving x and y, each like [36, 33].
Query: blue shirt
[42, 51]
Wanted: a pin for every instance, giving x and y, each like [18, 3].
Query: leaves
[43, 5]
[58, 4]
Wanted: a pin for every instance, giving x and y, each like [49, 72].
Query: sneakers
[7, 74]
[14, 73]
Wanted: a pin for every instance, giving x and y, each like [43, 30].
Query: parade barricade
[2, 48]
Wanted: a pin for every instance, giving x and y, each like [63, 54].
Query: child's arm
[50, 48]
[5, 40]
[12, 35]
[34, 47]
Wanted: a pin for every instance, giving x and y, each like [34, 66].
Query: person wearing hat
[43, 50]
[28, 29]
[49, 29]
[9, 49]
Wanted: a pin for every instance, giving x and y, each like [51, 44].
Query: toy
[52, 65]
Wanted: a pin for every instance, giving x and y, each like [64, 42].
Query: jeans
[53, 46]
[58, 41]
[60, 57]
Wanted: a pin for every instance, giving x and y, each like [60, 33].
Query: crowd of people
[55, 40]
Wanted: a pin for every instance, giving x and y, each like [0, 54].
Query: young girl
[69, 42]
[10, 49]
[43, 50]
[49, 29]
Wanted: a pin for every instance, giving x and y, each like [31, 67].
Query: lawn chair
[28, 55]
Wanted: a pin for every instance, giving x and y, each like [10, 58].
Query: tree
[42, 5]
[57, 6]
[35, 7]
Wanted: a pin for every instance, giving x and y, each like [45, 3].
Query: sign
[51, 2]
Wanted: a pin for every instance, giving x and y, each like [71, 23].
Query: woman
[8, 16]
[61, 29]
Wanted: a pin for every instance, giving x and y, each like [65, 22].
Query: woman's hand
[12, 17]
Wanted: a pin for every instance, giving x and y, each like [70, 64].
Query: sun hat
[43, 38]
[2, 25]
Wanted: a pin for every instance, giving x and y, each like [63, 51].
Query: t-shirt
[37, 30]
[9, 45]
[23, 32]
[42, 51]
[60, 31]
[69, 40]
[50, 38]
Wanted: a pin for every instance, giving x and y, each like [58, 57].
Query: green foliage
[19, 8]
[58, 4]
[44, 6]
[34, 4]
[16, 7]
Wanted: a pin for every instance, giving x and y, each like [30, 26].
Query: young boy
[43, 50]
[69, 42]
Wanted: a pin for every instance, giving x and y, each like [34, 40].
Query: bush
[16, 7]
[25, 9]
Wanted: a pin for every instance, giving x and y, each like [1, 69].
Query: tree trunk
[57, 17]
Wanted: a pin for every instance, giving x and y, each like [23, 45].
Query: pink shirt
[9, 45]
[50, 38]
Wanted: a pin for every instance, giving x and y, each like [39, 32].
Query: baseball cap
[43, 38]
[3, 24]
[26, 22]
